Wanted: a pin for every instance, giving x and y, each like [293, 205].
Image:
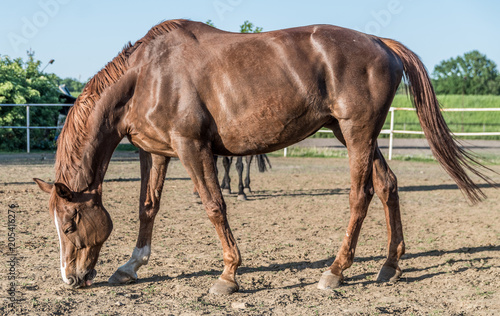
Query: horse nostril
[91, 275]
[72, 281]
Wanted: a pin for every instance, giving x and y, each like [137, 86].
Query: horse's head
[82, 225]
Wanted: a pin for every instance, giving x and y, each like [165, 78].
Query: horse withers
[189, 90]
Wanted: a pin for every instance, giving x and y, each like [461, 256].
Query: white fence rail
[28, 127]
[391, 131]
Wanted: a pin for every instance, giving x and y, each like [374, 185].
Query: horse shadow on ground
[369, 278]
[363, 279]
[426, 188]
[267, 194]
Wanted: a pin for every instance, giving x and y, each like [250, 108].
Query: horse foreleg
[198, 160]
[239, 167]
[246, 188]
[153, 170]
[195, 193]
[386, 187]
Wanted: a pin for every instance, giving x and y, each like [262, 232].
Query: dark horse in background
[243, 187]
[190, 91]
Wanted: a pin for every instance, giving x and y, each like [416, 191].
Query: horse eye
[70, 229]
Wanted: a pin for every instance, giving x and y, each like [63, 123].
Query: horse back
[254, 93]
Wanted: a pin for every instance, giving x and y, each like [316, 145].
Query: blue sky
[82, 36]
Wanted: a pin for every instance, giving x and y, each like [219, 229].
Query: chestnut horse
[190, 91]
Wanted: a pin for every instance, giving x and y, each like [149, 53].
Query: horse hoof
[389, 274]
[223, 287]
[247, 191]
[122, 277]
[226, 191]
[242, 197]
[330, 281]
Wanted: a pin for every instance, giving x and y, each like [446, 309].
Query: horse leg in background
[153, 170]
[198, 160]
[239, 167]
[386, 188]
[226, 180]
[360, 146]
[246, 187]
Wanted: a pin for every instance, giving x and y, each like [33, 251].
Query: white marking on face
[63, 264]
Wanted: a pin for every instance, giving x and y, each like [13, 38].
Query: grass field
[457, 121]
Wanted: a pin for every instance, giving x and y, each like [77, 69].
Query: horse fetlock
[128, 272]
[140, 257]
[401, 249]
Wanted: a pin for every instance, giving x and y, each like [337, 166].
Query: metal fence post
[28, 128]
[391, 133]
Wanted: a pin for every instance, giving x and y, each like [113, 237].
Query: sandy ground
[288, 233]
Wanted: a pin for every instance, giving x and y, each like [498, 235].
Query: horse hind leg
[360, 145]
[153, 170]
[386, 188]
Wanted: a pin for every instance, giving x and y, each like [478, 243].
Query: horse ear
[44, 186]
[63, 191]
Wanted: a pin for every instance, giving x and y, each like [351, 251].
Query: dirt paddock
[288, 233]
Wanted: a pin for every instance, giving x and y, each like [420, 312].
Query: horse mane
[74, 134]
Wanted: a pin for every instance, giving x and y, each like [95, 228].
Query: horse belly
[265, 131]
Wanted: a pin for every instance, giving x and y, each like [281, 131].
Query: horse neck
[83, 167]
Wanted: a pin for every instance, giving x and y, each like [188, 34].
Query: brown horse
[189, 90]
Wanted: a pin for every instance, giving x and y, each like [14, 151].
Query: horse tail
[262, 162]
[454, 159]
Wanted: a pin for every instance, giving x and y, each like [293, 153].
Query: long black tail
[454, 159]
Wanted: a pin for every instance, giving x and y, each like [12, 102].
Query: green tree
[246, 27]
[472, 73]
[22, 82]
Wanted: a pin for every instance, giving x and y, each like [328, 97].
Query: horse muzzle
[84, 281]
